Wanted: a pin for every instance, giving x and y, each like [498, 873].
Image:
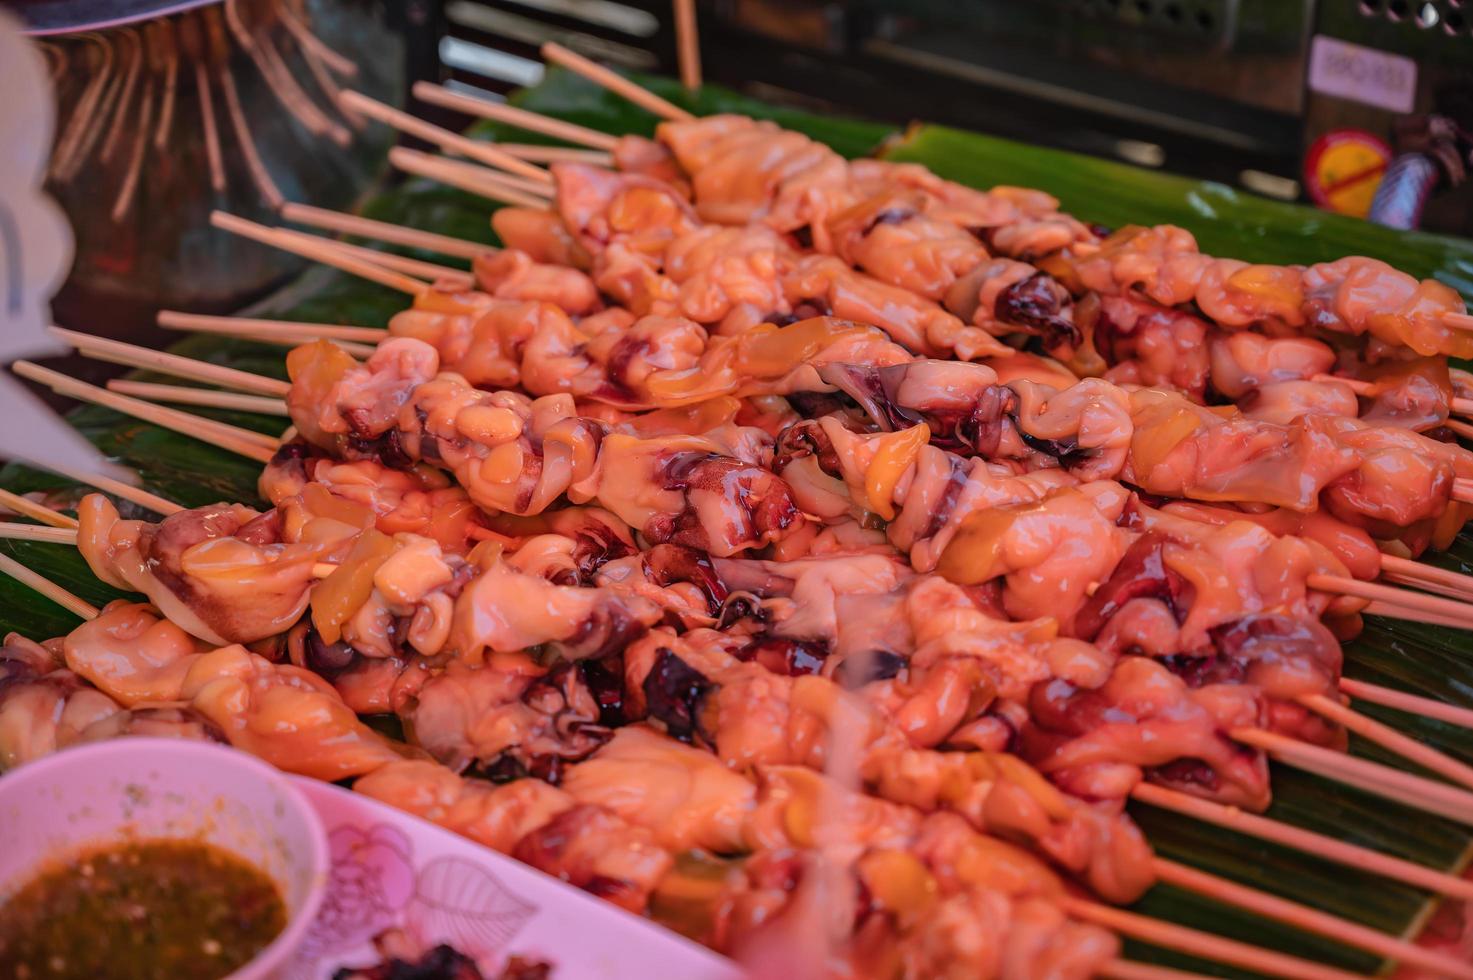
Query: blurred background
[1326, 102]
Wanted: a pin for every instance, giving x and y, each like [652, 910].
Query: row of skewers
[815, 555]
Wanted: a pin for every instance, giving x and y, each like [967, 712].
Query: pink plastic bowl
[141, 788]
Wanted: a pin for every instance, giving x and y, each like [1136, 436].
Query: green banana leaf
[1425, 660]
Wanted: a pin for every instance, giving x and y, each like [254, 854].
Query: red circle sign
[1343, 169]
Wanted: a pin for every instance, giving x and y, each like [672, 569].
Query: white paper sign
[1361, 74]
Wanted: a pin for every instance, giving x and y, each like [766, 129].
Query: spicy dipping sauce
[181, 910]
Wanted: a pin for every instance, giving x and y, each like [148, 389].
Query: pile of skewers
[815, 555]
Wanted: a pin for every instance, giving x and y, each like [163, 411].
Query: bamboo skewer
[481, 152]
[205, 397]
[1458, 321]
[327, 254]
[1367, 389]
[1309, 842]
[1204, 945]
[352, 224]
[228, 437]
[131, 355]
[1463, 429]
[1132, 970]
[1410, 703]
[183, 422]
[13, 531]
[388, 260]
[26, 507]
[46, 587]
[462, 177]
[117, 488]
[1311, 920]
[240, 326]
[1390, 610]
[1411, 581]
[533, 122]
[485, 175]
[538, 153]
[1427, 573]
[1390, 739]
[614, 82]
[1401, 787]
[687, 45]
[1437, 605]
[1430, 578]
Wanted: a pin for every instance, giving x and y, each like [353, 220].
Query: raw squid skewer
[1263, 288]
[1209, 885]
[331, 568]
[1460, 494]
[1382, 734]
[1396, 599]
[531, 821]
[1419, 706]
[1292, 394]
[1340, 585]
[1300, 916]
[1440, 610]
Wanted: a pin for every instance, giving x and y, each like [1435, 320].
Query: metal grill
[1450, 18]
[1211, 20]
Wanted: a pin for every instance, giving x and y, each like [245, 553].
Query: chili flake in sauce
[181, 910]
